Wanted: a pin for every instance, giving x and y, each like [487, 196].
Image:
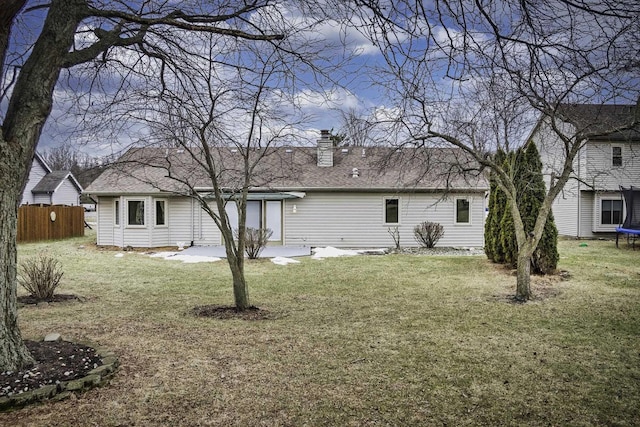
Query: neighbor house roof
[153, 170]
[51, 181]
[615, 122]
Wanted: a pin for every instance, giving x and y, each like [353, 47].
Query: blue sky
[353, 92]
[356, 91]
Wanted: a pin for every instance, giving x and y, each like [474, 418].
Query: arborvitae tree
[496, 207]
[545, 257]
[508, 246]
[489, 225]
[507, 238]
[526, 168]
[489, 246]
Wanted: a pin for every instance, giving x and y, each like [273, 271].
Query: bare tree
[77, 32]
[357, 129]
[476, 75]
[66, 157]
[214, 125]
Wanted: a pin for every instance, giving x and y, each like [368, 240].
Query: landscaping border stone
[94, 378]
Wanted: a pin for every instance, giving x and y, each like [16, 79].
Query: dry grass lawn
[362, 341]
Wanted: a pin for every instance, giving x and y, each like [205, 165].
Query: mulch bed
[56, 361]
[228, 312]
[31, 300]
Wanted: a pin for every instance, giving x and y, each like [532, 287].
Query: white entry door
[271, 219]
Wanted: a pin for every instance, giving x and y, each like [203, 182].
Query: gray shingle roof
[149, 170]
[615, 122]
[50, 182]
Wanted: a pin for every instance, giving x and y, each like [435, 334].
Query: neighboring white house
[48, 187]
[591, 204]
[309, 196]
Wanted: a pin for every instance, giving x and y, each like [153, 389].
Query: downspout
[192, 227]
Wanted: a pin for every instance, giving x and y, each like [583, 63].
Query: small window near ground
[391, 211]
[116, 212]
[161, 209]
[135, 212]
[616, 156]
[463, 214]
[611, 213]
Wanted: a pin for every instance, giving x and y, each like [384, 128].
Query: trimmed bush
[255, 241]
[427, 233]
[40, 275]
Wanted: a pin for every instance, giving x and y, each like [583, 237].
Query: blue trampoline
[631, 225]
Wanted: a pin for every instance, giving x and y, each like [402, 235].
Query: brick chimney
[325, 149]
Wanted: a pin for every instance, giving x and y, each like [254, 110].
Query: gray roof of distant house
[613, 122]
[50, 182]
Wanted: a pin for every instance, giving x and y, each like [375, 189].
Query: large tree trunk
[13, 353]
[27, 110]
[235, 259]
[523, 285]
[240, 288]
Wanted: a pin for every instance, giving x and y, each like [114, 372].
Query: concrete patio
[268, 252]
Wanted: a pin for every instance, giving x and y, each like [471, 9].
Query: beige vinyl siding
[586, 214]
[179, 220]
[105, 217]
[66, 194]
[600, 172]
[567, 207]
[41, 199]
[565, 210]
[357, 219]
[36, 173]
[206, 231]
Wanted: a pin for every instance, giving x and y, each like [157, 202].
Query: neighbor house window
[116, 212]
[463, 213]
[611, 213]
[616, 156]
[161, 212]
[135, 213]
[391, 211]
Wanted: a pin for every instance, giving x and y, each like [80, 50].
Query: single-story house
[49, 187]
[591, 204]
[308, 196]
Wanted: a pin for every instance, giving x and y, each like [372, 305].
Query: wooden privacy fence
[38, 222]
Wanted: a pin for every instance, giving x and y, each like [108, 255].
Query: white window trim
[117, 213]
[146, 212]
[384, 211]
[455, 211]
[166, 213]
[621, 156]
[599, 226]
